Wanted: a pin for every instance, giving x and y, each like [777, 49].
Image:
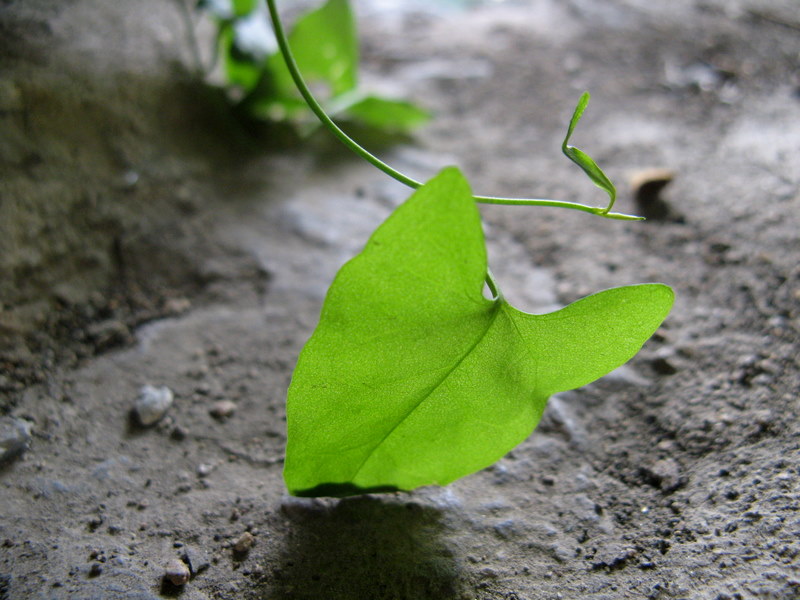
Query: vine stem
[497, 294]
[316, 108]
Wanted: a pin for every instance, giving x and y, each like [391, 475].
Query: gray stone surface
[654, 483]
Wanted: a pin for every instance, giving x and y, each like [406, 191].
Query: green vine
[413, 376]
[580, 158]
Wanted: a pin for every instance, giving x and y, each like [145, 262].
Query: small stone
[663, 366]
[179, 433]
[109, 334]
[176, 572]
[664, 474]
[222, 409]
[15, 438]
[204, 469]
[130, 178]
[196, 559]
[507, 529]
[152, 404]
[244, 543]
[611, 558]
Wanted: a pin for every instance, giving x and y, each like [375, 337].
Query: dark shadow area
[341, 490]
[169, 589]
[364, 548]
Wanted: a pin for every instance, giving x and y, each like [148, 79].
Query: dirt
[149, 238]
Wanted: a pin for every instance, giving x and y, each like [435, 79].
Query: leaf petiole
[491, 282]
[577, 156]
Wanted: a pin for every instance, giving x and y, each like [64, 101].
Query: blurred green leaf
[325, 45]
[240, 69]
[385, 114]
[244, 7]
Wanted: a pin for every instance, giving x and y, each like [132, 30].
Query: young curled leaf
[413, 377]
[583, 160]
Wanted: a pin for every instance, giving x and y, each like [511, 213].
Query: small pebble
[108, 334]
[196, 559]
[663, 366]
[204, 469]
[152, 404]
[15, 437]
[130, 178]
[176, 572]
[179, 433]
[244, 543]
[664, 474]
[222, 409]
[507, 529]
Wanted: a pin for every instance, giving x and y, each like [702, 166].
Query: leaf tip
[661, 295]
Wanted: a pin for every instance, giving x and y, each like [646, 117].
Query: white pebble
[223, 409]
[152, 403]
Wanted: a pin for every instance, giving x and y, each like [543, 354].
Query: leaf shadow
[364, 547]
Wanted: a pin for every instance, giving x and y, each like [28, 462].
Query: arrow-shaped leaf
[412, 377]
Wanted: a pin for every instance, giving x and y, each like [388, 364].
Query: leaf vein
[426, 394]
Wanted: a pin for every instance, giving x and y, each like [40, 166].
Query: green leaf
[412, 377]
[387, 115]
[325, 45]
[583, 160]
[243, 7]
[240, 70]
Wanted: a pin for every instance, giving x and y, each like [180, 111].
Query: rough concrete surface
[148, 238]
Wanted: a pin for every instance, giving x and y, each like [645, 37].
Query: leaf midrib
[496, 310]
